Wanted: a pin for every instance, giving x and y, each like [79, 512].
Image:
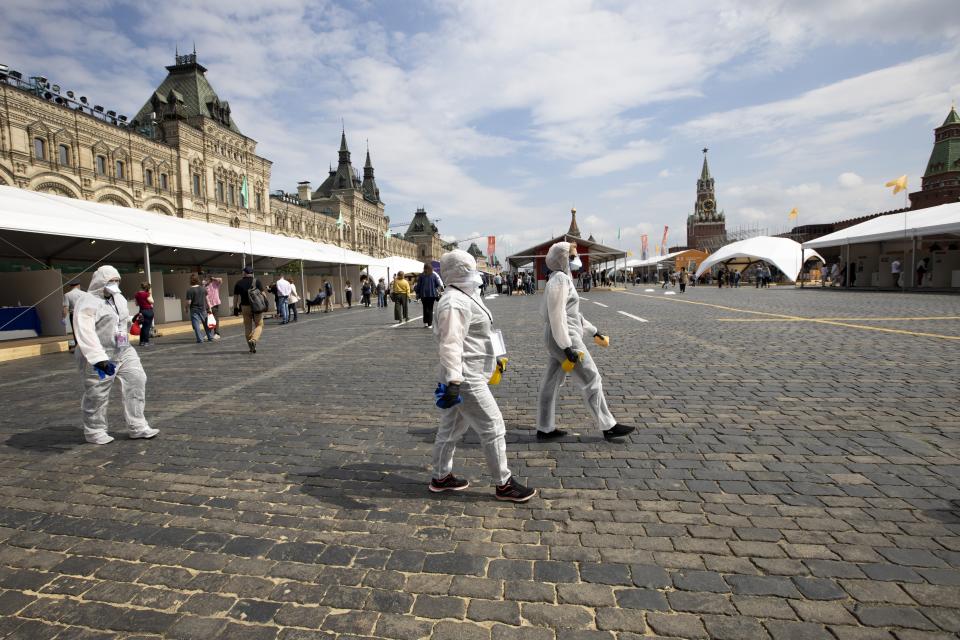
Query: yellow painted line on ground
[837, 319]
[782, 316]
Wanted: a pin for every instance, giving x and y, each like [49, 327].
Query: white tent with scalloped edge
[785, 254]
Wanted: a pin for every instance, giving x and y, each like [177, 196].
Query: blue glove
[447, 395]
[104, 369]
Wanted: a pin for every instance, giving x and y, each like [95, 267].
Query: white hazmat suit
[566, 327]
[101, 322]
[463, 325]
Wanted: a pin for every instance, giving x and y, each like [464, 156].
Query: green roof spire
[952, 117]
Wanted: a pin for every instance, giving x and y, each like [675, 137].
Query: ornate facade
[424, 234]
[182, 155]
[706, 227]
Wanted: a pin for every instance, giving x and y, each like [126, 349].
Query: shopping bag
[211, 321]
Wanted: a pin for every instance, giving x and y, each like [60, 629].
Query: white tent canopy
[943, 219]
[650, 262]
[785, 254]
[26, 214]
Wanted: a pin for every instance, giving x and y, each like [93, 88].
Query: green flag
[340, 221]
[245, 193]
[618, 233]
[386, 234]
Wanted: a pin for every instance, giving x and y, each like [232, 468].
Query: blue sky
[498, 116]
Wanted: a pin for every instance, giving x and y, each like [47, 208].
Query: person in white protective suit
[565, 331]
[101, 322]
[463, 326]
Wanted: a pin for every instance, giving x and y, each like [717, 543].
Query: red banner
[663, 245]
[643, 247]
[491, 246]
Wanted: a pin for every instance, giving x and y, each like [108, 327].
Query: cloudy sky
[497, 116]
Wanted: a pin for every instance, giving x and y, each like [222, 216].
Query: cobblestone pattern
[788, 480]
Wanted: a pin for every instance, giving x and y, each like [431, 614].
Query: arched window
[64, 155]
[39, 148]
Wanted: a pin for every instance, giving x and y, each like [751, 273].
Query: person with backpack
[381, 294]
[327, 296]
[365, 290]
[250, 301]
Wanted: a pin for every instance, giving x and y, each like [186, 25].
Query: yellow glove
[601, 340]
[499, 371]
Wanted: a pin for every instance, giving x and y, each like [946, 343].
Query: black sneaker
[617, 431]
[513, 491]
[550, 435]
[253, 346]
[450, 483]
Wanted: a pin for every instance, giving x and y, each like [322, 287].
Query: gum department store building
[181, 155]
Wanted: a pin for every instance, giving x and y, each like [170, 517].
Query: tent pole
[340, 269]
[146, 262]
[303, 285]
[913, 260]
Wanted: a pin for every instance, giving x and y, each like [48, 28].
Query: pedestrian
[684, 279]
[428, 290]
[381, 294]
[736, 279]
[252, 308]
[348, 293]
[468, 359]
[327, 296]
[144, 299]
[400, 294]
[212, 285]
[565, 329]
[824, 274]
[292, 299]
[922, 269]
[834, 274]
[196, 300]
[283, 292]
[498, 283]
[74, 293]
[101, 323]
[365, 290]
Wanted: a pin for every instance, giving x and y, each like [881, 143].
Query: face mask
[112, 288]
[477, 278]
[575, 264]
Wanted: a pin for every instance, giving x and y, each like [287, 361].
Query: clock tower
[706, 228]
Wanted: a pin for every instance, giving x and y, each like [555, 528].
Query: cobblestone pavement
[794, 475]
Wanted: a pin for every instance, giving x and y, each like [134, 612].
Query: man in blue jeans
[197, 299]
[283, 293]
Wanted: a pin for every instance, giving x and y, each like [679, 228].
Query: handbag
[135, 327]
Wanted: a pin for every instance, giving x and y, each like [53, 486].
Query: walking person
[365, 290]
[196, 299]
[101, 323]
[895, 270]
[467, 362]
[283, 292]
[684, 279]
[74, 293]
[348, 292]
[212, 285]
[834, 275]
[328, 296]
[564, 331]
[498, 283]
[400, 293]
[252, 307]
[292, 299]
[381, 294]
[144, 300]
[428, 290]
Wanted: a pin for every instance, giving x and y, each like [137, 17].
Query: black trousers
[428, 310]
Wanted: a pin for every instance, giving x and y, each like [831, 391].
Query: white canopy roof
[29, 212]
[896, 226]
[649, 262]
[783, 253]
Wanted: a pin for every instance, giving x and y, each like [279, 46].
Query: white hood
[101, 277]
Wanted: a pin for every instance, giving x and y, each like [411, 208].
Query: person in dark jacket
[428, 290]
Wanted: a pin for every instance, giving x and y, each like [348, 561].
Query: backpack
[258, 301]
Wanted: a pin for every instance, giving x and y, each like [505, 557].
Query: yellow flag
[629, 254]
[900, 184]
[794, 213]
[656, 249]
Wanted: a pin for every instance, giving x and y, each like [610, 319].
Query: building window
[196, 184]
[163, 181]
[40, 148]
[64, 154]
[119, 169]
[148, 177]
[259, 203]
[220, 197]
[230, 195]
[101, 165]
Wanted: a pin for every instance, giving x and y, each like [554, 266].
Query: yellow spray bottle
[499, 371]
[568, 365]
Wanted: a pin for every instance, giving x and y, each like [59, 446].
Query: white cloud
[634, 153]
[664, 173]
[849, 179]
